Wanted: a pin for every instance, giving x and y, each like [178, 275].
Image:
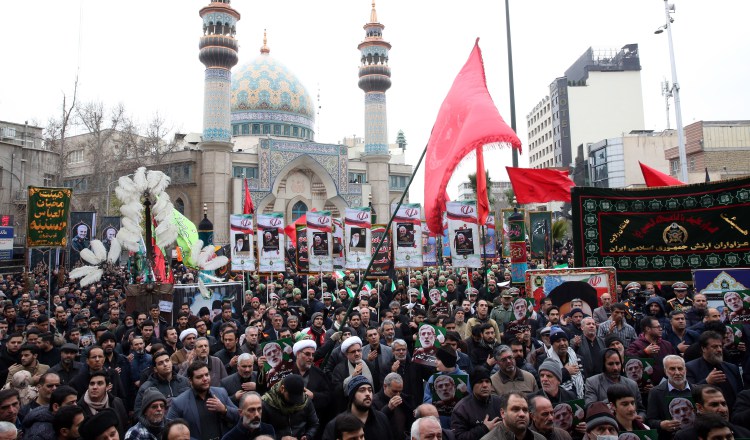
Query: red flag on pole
[657, 178]
[542, 185]
[483, 201]
[248, 207]
[467, 120]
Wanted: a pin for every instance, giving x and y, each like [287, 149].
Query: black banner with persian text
[663, 233]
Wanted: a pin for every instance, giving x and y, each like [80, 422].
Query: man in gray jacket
[596, 386]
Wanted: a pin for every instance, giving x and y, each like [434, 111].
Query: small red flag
[657, 178]
[248, 207]
[532, 185]
[483, 201]
[467, 120]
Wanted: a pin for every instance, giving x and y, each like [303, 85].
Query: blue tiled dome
[265, 91]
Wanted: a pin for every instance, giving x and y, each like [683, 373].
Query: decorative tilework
[271, 116]
[374, 50]
[218, 17]
[376, 124]
[216, 125]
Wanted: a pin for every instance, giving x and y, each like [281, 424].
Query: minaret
[218, 52]
[375, 79]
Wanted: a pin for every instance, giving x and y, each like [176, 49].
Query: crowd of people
[434, 354]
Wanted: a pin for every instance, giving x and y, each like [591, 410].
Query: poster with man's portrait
[320, 243]
[81, 236]
[737, 306]
[639, 370]
[241, 243]
[464, 241]
[357, 239]
[447, 390]
[270, 239]
[429, 338]
[82, 231]
[569, 414]
[278, 360]
[405, 235]
[681, 409]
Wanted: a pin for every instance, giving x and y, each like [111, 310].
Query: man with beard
[207, 410]
[596, 386]
[651, 345]
[394, 404]
[10, 354]
[482, 317]
[251, 340]
[510, 378]
[709, 400]
[38, 423]
[230, 353]
[676, 385]
[200, 354]
[514, 412]
[317, 387]
[617, 326]
[550, 378]
[171, 340]
[150, 418]
[28, 362]
[352, 367]
[140, 362]
[713, 370]
[359, 392]
[243, 380]
[68, 368]
[288, 409]
[163, 379]
[482, 352]
[561, 352]
[250, 425]
[94, 364]
[542, 419]
[503, 313]
[187, 337]
[47, 384]
[376, 352]
[698, 310]
[476, 414]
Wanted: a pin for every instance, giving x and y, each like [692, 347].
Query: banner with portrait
[82, 230]
[662, 233]
[429, 338]
[567, 415]
[447, 390]
[339, 250]
[241, 235]
[489, 247]
[540, 234]
[736, 306]
[279, 360]
[639, 370]
[681, 409]
[270, 242]
[463, 232]
[358, 222]
[504, 238]
[406, 233]
[429, 247]
[382, 260]
[107, 230]
[320, 241]
[47, 217]
[303, 259]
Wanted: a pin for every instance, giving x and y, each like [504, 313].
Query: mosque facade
[259, 127]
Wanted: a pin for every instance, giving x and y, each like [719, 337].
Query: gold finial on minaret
[373, 14]
[265, 48]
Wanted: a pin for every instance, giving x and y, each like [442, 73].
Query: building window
[235, 130]
[355, 177]
[248, 172]
[691, 163]
[179, 205]
[256, 128]
[298, 210]
[245, 128]
[48, 178]
[277, 130]
[674, 166]
[295, 131]
[76, 156]
[287, 130]
[399, 182]
[266, 128]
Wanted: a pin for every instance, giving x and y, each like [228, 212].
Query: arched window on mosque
[179, 205]
[298, 210]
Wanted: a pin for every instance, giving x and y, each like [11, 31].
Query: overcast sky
[145, 55]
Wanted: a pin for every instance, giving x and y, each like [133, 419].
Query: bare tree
[57, 130]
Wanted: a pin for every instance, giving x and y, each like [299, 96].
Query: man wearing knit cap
[446, 365]
[316, 329]
[354, 365]
[359, 395]
[600, 421]
[187, 337]
[150, 418]
[476, 414]
[550, 377]
[561, 352]
[101, 426]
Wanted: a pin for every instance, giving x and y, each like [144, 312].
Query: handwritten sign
[47, 220]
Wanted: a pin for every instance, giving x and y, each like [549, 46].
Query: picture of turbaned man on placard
[429, 338]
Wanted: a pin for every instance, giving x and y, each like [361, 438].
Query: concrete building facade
[613, 162]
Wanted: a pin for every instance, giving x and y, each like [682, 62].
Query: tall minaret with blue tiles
[218, 52]
[375, 80]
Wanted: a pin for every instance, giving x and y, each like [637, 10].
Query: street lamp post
[668, 9]
[512, 94]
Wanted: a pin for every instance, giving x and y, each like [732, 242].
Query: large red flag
[657, 178]
[248, 207]
[532, 185]
[467, 120]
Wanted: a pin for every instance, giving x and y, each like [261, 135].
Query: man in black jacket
[359, 392]
[676, 385]
[394, 404]
[351, 367]
[709, 400]
[317, 386]
[711, 368]
[478, 413]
